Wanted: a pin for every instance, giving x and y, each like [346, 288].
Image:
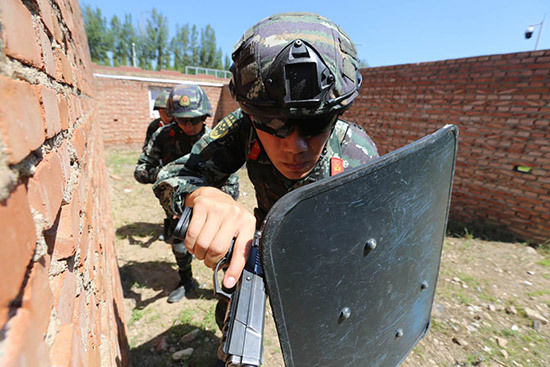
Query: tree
[157, 39]
[179, 47]
[128, 37]
[195, 48]
[208, 52]
[111, 42]
[116, 40]
[97, 32]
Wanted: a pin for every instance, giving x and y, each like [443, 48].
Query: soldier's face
[190, 126]
[164, 116]
[294, 156]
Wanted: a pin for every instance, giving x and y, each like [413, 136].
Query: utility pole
[134, 59]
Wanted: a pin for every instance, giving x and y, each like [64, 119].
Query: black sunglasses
[307, 127]
[188, 120]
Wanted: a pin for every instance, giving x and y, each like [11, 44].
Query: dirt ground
[492, 304]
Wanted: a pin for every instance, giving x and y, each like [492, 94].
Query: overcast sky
[386, 32]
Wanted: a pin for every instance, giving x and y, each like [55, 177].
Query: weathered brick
[47, 54]
[37, 296]
[24, 343]
[18, 239]
[20, 112]
[20, 41]
[65, 160]
[62, 67]
[46, 15]
[65, 297]
[63, 107]
[46, 188]
[50, 111]
[65, 352]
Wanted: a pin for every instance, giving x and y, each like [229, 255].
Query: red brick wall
[124, 104]
[60, 294]
[501, 104]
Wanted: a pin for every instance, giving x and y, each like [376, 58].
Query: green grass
[209, 320]
[186, 316]
[538, 293]
[545, 262]
[117, 159]
[137, 315]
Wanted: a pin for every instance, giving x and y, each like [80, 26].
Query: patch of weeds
[154, 317]
[116, 159]
[544, 262]
[508, 333]
[137, 315]
[138, 285]
[208, 322]
[471, 281]
[464, 298]
[186, 316]
[476, 359]
[534, 294]
[419, 350]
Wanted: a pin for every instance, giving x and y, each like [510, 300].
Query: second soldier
[188, 107]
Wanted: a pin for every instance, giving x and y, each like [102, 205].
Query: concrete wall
[501, 104]
[60, 293]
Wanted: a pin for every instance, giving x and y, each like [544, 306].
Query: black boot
[183, 288]
[187, 283]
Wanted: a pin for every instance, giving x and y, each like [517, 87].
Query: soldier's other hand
[217, 219]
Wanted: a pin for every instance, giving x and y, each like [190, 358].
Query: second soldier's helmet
[295, 65]
[160, 101]
[188, 101]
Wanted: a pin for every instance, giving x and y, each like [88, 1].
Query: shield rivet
[424, 285]
[371, 245]
[399, 333]
[297, 43]
[345, 313]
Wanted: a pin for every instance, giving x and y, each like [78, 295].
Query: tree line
[117, 42]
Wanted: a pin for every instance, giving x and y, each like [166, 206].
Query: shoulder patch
[223, 127]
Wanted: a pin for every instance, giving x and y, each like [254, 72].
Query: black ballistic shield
[351, 262]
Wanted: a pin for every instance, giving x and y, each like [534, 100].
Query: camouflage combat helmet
[188, 101]
[295, 65]
[160, 101]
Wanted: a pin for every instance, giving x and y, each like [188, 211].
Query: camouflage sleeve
[357, 146]
[149, 162]
[213, 161]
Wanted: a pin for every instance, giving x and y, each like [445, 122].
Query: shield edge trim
[289, 200]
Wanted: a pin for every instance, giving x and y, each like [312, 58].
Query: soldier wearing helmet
[294, 74]
[188, 106]
[164, 119]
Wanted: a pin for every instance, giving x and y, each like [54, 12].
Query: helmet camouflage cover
[160, 101]
[295, 65]
[188, 101]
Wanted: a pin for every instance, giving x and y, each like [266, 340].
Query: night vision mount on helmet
[309, 69]
[188, 101]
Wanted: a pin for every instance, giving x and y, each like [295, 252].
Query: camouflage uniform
[160, 103]
[168, 144]
[153, 126]
[234, 142]
[290, 71]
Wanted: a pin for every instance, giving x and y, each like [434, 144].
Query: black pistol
[243, 329]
